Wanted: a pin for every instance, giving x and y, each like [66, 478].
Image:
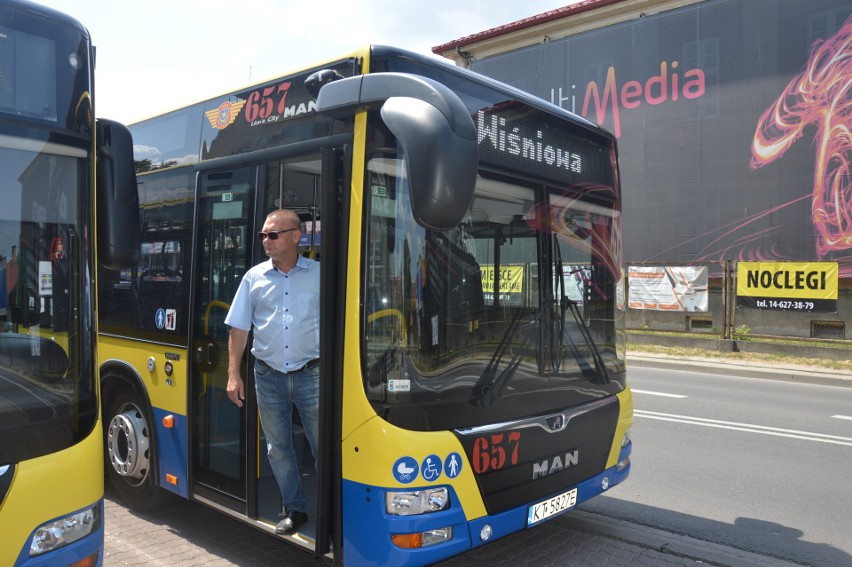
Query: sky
[157, 55]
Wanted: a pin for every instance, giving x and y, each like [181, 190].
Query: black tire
[129, 452]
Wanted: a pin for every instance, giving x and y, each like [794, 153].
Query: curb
[670, 543]
[824, 377]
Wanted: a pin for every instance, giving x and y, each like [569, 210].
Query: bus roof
[383, 51]
[34, 9]
[517, 94]
[358, 53]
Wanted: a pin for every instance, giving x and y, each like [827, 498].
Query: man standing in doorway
[279, 299]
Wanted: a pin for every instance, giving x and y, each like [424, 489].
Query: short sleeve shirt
[283, 310]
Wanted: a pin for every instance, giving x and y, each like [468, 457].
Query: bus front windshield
[47, 403]
[511, 314]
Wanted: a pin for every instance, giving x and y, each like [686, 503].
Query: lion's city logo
[222, 117]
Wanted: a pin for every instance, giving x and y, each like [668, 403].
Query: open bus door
[229, 467]
[224, 226]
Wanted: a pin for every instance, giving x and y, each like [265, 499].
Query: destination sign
[528, 144]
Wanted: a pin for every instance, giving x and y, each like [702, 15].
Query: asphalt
[675, 545]
[805, 374]
[685, 546]
[187, 533]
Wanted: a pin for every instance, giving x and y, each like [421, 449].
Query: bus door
[224, 227]
[230, 467]
[289, 183]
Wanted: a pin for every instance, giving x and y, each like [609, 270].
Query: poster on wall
[788, 286]
[728, 116]
[511, 286]
[673, 288]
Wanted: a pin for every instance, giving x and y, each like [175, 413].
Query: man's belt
[307, 366]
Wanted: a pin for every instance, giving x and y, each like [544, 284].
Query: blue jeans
[277, 393]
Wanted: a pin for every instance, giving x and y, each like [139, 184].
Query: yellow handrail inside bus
[206, 327]
[210, 306]
[391, 313]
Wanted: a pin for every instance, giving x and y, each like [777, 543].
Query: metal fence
[725, 319]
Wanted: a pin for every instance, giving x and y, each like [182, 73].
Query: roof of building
[532, 21]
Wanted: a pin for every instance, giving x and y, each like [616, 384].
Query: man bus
[472, 351]
[51, 456]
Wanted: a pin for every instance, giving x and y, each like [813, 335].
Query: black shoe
[291, 522]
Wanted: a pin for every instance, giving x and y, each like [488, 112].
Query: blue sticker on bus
[453, 465]
[431, 468]
[160, 318]
[405, 470]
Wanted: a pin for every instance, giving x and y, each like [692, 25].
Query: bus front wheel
[129, 448]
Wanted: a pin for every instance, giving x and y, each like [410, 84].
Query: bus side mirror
[441, 165]
[117, 197]
[435, 130]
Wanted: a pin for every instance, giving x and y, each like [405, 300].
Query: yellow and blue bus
[51, 440]
[472, 314]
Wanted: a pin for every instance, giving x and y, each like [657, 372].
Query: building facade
[734, 117]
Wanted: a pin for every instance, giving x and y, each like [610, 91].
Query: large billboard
[734, 122]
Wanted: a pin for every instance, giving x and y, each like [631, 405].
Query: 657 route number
[492, 452]
[273, 99]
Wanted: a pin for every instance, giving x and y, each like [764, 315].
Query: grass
[777, 359]
[840, 345]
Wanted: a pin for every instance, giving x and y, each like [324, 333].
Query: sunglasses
[274, 234]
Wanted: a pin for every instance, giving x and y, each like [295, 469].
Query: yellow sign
[787, 280]
[511, 279]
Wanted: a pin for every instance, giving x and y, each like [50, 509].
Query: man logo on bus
[224, 116]
[556, 422]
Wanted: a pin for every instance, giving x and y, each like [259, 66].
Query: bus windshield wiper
[492, 382]
[568, 304]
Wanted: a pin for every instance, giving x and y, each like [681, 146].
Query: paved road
[744, 462]
[187, 534]
[184, 534]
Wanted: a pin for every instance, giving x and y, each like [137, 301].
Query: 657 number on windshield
[261, 106]
[495, 451]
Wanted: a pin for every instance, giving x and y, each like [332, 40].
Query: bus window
[151, 295]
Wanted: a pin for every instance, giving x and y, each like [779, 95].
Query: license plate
[552, 506]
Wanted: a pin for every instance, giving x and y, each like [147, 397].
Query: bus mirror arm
[318, 80]
[117, 197]
[343, 97]
[435, 130]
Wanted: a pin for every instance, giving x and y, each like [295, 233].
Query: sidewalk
[744, 368]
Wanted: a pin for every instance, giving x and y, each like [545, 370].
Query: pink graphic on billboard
[819, 97]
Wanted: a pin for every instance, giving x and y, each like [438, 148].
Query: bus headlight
[65, 530]
[626, 439]
[415, 502]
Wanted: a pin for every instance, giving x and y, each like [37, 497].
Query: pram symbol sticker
[405, 470]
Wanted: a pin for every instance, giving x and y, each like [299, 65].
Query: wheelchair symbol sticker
[405, 470]
[430, 470]
[453, 465]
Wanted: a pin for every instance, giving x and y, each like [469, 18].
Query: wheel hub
[128, 444]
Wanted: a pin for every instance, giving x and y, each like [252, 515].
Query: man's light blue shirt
[284, 311]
